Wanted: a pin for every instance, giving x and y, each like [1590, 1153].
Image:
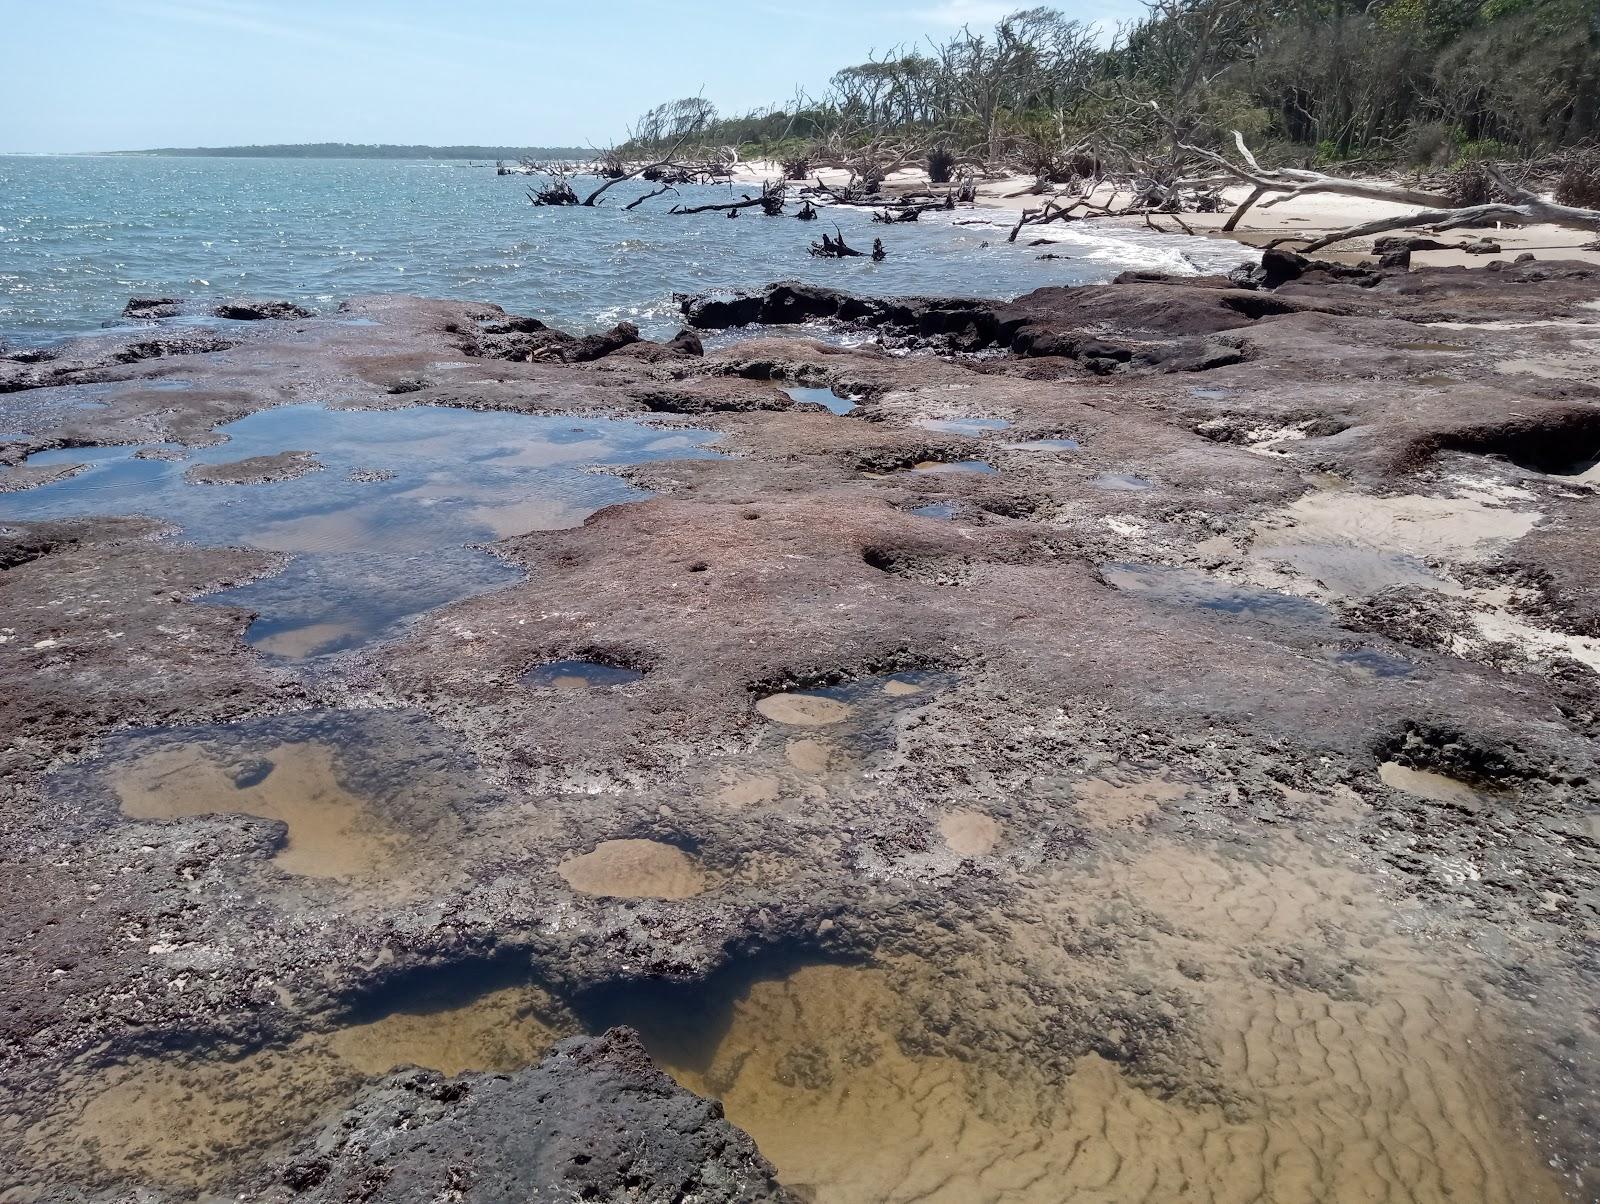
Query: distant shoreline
[350, 150]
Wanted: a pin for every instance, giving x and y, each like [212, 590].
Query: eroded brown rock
[1122, 848]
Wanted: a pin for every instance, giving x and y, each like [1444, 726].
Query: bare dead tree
[557, 190]
[666, 160]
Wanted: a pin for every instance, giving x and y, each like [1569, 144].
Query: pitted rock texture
[594, 1121]
[1128, 854]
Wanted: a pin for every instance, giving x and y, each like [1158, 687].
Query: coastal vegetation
[1416, 83]
[1481, 105]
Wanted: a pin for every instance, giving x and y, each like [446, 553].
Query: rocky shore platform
[1132, 743]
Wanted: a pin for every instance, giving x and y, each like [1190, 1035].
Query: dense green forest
[1414, 82]
[351, 150]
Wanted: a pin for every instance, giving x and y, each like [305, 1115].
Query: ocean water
[79, 235]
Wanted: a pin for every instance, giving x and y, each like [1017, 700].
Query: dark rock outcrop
[594, 1121]
[256, 311]
[598, 346]
[152, 307]
[686, 342]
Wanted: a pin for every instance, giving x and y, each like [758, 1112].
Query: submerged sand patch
[812, 756]
[1349, 544]
[969, 833]
[634, 869]
[803, 710]
[1425, 783]
[1123, 799]
[1390, 1099]
[296, 642]
[332, 832]
[196, 1121]
[749, 791]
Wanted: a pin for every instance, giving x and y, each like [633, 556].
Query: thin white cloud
[329, 28]
[956, 13]
[234, 19]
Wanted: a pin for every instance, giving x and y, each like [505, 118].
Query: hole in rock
[1256, 306]
[823, 397]
[860, 715]
[953, 466]
[1045, 445]
[1565, 443]
[939, 510]
[1122, 481]
[580, 674]
[1186, 587]
[962, 426]
[1430, 784]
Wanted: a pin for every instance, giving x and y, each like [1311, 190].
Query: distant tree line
[1419, 82]
[352, 150]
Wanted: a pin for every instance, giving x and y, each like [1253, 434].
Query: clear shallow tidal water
[79, 235]
[387, 527]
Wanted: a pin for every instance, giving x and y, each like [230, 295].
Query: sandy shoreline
[1304, 217]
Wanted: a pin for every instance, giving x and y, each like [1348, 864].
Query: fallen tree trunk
[1051, 212]
[637, 201]
[1521, 213]
[747, 203]
[1276, 185]
[837, 248]
[770, 201]
[1291, 182]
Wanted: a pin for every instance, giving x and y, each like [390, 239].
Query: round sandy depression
[969, 833]
[634, 869]
[803, 710]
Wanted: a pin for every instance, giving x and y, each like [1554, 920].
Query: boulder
[1279, 266]
[256, 311]
[594, 1121]
[686, 342]
[152, 307]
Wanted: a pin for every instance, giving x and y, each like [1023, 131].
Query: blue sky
[82, 75]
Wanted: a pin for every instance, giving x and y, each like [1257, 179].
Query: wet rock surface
[254, 470]
[1199, 804]
[594, 1121]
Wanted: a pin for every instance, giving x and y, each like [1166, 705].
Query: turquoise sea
[79, 235]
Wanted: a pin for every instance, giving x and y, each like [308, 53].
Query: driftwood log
[1276, 185]
[1525, 211]
[836, 247]
[770, 202]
